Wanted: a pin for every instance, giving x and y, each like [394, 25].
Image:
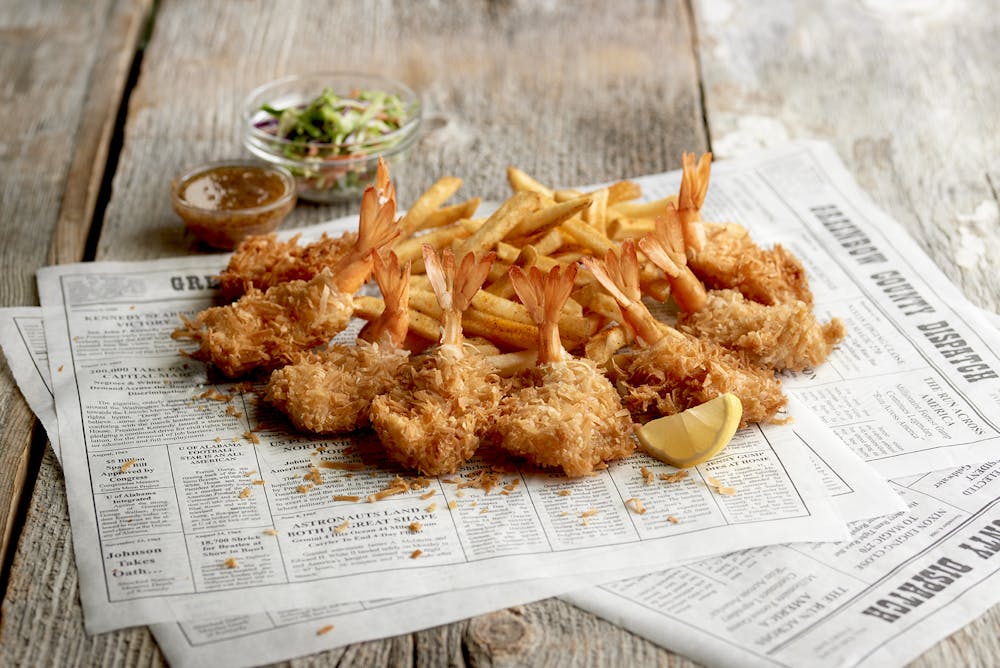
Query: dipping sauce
[232, 188]
[224, 202]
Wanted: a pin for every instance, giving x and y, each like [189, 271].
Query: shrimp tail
[664, 246]
[455, 286]
[544, 296]
[694, 187]
[377, 228]
[394, 283]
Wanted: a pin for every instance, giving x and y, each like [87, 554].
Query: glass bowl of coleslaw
[330, 128]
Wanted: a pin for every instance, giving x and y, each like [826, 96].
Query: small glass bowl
[331, 172]
[226, 228]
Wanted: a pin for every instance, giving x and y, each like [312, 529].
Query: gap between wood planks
[39, 439]
[696, 53]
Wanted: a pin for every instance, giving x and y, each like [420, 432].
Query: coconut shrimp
[445, 401]
[779, 336]
[262, 261]
[563, 413]
[330, 391]
[724, 256]
[672, 371]
[266, 329]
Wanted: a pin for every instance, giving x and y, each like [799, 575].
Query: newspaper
[244, 640]
[187, 507]
[901, 584]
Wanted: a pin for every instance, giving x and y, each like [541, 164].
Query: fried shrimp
[665, 247]
[432, 420]
[266, 329]
[672, 371]
[724, 256]
[781, 336]
[330, 391]
[563, 413]
[262, 261]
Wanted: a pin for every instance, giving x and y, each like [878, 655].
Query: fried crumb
[346, 497]
[450, 481]
[60, 369]
[303, 489]
[326, 629]
[258, 482]
[714, 482]
[218, 439]
[322, 448]
[270, 532]
[482, 479]
[415, 554]
[230, 410]
[674, 477]
[230, 562]
[452, 505]
[725, 491]
[215, 395]
[635, 505]
[504, 493]
[127, 465]
[589, 513]
[484, 511]
[415, 527]
[314, 475]
[252, 437]
[647, 475]
[342, 527]
[673, 520]
[586, 522]
[249, 473]
[427, 495]
[460, 494]
[564, 492]
[431, 508]
[342, 466]
[246, 493]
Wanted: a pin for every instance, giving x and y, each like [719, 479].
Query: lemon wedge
[695, 435]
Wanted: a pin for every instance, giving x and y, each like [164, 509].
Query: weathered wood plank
[61, 79]
[908, 94]
[572, 94]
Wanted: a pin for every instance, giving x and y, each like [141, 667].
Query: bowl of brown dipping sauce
[223, 202]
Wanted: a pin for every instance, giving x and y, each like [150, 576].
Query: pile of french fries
[536, 226]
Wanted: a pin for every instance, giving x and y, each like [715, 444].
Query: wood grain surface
[63, 70]
[572, 93]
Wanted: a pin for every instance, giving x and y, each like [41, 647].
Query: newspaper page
[244, 640]
[914, 387]
[22, 336]
[190, 499]
[901, 584]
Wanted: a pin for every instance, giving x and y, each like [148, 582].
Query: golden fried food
[672, 371]
[434, 418]
[781, 336]
[731, 259]
[563, 413]
[330, 392]
[263, 260]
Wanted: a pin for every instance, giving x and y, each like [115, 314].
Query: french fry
[425, 205]
[622, 227]
[566, 194]
[409, 249]
[501, 223]
[552, 215]
[507, 253]
[507, 332]
[370, 308]
[447, 215]
[549, 243]
[588, 237]
[576, 328]
[642, 209]
[597, 213]
[483, 345]
[605, 344]
[521, 182]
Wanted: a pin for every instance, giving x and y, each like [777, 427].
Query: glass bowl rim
[404, 133]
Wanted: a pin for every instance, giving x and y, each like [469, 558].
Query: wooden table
[104, 101]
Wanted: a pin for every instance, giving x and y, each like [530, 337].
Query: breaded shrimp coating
[782, 336]
[267, 329]
[433, 420]
[331, 391]
[563, 413]
[263, 260]
[672, 371]
[731, 259]
[680, 371]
